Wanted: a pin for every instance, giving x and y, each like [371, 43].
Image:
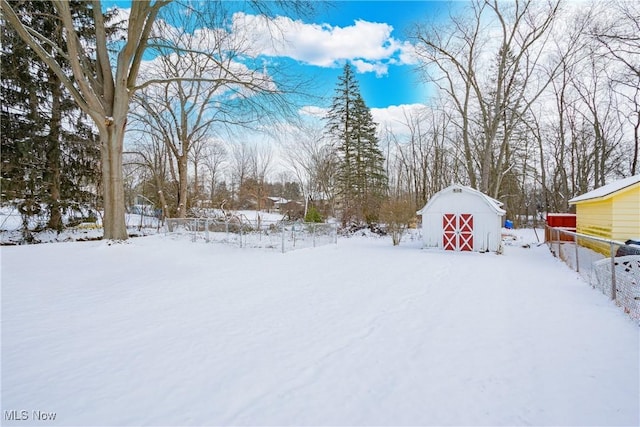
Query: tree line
[531, 102]
[536, 102]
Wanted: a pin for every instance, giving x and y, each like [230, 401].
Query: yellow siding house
[610, 212]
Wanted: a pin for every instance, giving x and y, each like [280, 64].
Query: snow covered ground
[163, 331]
[137, 225]
[11, 228]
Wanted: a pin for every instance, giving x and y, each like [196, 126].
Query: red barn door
[465, 237]
[457, 232]
[449, 235]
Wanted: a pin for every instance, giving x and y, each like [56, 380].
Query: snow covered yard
[169, 332]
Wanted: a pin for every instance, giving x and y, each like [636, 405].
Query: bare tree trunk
[196, 186]
[112, 139]
[636, 140]
[183, 181]
[161, 196]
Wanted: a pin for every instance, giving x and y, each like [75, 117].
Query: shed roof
[277, 200]
[494, 204]
[607, 190]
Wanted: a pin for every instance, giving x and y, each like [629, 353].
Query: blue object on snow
[508, 224]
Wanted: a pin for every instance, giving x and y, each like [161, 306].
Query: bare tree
[303, 148]
[202, 86]
[601, 113]
[562, 146]
[583, 128]
[633, 117]
[215, 155]
[197, 83]
[423, 161]
[150, 152]
[240, 167]
[492, 77]
[618, 31]
[260, 163]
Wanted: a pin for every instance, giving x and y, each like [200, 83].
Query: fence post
[575, 240]
[558, 243]
[313, 230]
[613, 273]
[293, 234]
[206, 233]
[283, 231]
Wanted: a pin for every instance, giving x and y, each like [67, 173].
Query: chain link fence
[612, 267]
[283, 236]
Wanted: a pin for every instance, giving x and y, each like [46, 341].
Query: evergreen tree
[371, 176]
[362, 181]
[22, 126]
[313, 215]
[49, 151]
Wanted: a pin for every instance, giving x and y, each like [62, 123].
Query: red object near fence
[562, 220]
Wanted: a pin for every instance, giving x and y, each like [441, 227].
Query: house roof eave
[607, 191]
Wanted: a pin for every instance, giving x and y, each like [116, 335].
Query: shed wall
[626, 214]
[487, 223]
[595, 218]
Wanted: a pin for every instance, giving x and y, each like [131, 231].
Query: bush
[397, 213]
[313, 215]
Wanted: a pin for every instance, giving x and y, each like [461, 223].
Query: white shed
[460, 218]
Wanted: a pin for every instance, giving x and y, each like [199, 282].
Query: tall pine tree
[50, 153]
[362, 180]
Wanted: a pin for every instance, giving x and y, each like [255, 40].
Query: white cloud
[394, 117]
[369, 45]
[408, 54]
[365, 67]
[313, 111]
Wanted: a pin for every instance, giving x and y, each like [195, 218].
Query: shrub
[313, 215]
[397, 214]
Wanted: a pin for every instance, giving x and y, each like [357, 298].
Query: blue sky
[372, 35]
[400, 85]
